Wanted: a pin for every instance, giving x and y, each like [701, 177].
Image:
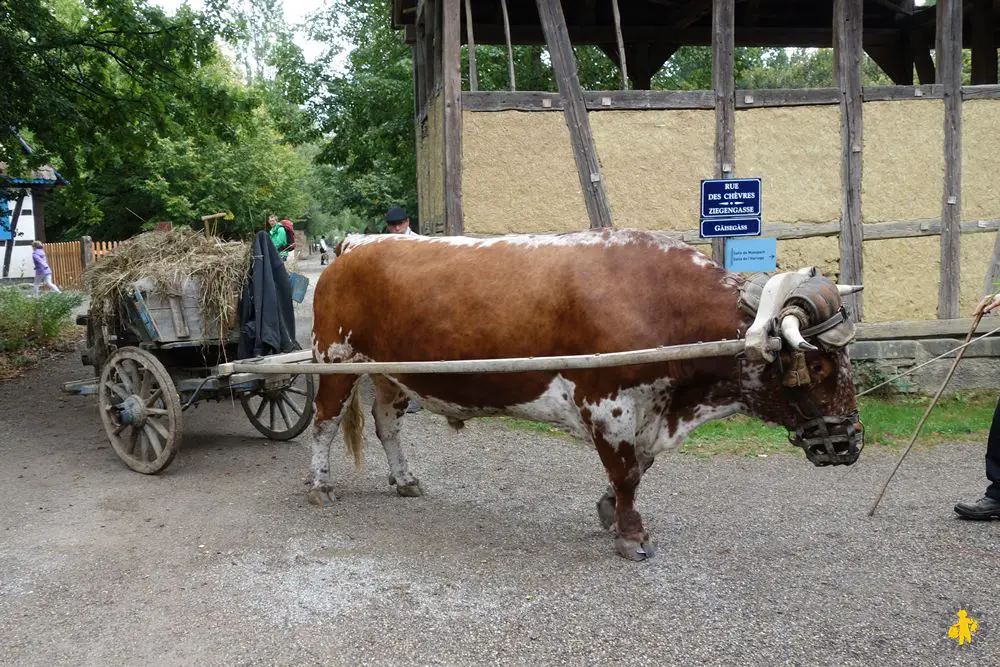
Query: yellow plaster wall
[980, 159]
[653, 162]
[518, 174]
[903, 160]
[822, 252]
[796, 153]
[902, 276]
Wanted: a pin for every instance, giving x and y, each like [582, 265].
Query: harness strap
[826, 325]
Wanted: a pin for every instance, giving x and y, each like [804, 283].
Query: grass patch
[32, 330]
[889, 423]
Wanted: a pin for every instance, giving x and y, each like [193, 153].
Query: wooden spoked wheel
[140, 410]
[284, 407]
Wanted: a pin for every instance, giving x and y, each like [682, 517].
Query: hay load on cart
[166, 287]
[168, 307]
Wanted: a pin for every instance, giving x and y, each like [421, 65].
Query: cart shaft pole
[723, 348]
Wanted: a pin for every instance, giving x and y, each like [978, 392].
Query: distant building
[25, 195]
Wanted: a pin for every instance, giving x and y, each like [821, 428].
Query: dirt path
[220, 561]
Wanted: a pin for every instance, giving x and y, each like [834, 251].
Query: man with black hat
[397, 221]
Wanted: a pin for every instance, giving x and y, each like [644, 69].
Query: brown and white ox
[411, 298]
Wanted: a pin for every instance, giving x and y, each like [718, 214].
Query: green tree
[367, 110]
[103, 74]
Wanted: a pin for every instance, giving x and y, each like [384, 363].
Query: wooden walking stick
[920, 424]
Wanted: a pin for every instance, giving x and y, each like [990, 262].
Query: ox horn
[844, 290]
[790, 332]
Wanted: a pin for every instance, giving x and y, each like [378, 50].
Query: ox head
[811, 370]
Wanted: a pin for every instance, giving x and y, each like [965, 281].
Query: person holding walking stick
[987, 507]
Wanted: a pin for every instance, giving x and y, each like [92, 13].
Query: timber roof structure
[689, 22]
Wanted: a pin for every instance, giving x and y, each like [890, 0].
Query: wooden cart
[162, 362]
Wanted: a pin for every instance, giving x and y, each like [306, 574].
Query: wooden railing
[69, 259]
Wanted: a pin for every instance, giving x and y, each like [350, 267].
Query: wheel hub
[132, 411]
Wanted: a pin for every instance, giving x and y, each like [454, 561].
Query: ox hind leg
[336, 400]
[624, 472]
[388, 409]
[606, 503]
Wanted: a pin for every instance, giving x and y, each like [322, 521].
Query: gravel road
[221, 561]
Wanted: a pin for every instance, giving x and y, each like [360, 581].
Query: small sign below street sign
[752, 255]
[729, 227]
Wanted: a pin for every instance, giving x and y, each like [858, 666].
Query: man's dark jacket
[267, 322]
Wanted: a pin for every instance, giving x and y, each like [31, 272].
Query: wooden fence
[68, 260]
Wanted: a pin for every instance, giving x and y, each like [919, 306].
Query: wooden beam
[695, 35]
[895, 60]
[955, 328]
[622, 63]
[922, 57]
[895, 93]
[645, 61]
[872, 231]
[981, 92]
[451, 37]
[510, 49]
[724, 86]
[847, 56]
[470, 40]
[984, 44]
[15, 216]
[993, 270]
[615, 100]
[949, 55]
[575, 109]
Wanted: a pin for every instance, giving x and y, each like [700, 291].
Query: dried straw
[169, 259]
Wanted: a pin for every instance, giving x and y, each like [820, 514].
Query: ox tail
[353, 424]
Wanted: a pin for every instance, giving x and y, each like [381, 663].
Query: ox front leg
[606, 503]
[388, 411]
[624, 471]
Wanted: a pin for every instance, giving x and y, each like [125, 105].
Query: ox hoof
[412, 490]
[634, 549]
[606, 511]
[322, 497]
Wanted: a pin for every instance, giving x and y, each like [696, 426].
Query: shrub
[30, 322]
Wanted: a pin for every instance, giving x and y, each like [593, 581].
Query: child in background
[43, 274]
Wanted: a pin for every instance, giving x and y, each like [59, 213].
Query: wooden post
[471, 40]
[86, 252]
[984, 44]
[847, 50]
[993, 270]
[451, 56]
[8, 251]
[510, 49]
[724, 85]
[622, 67]
[584, 150]
[419, 70]
[949, 60]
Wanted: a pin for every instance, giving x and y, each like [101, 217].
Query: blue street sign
[752, 255]
[730, 198]
[729, 227]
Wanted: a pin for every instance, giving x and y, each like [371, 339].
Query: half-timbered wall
[518, 176]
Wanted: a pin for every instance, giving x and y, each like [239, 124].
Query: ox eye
[816, 367]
